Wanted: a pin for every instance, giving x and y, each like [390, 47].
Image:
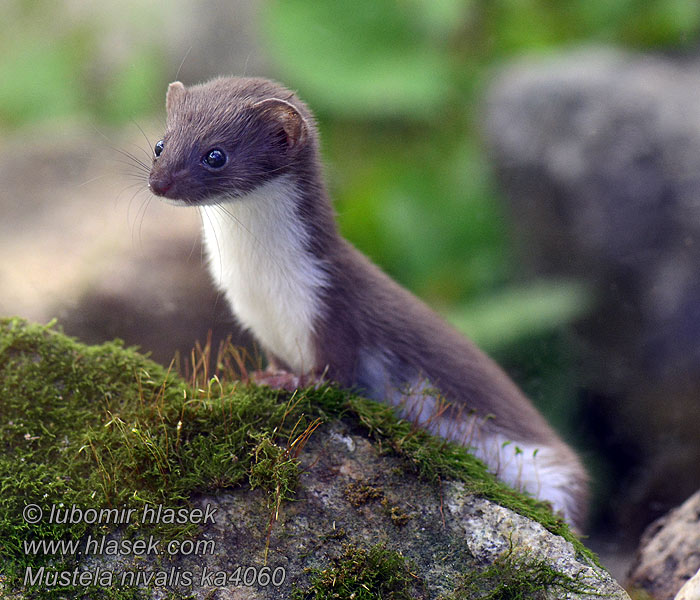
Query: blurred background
[528, 167]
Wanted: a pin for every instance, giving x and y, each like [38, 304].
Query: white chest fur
[257, 258]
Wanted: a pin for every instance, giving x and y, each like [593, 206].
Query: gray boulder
[217, 489]
[598, 152]
[351, 500]
[668, 553]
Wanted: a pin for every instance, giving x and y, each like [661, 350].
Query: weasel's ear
[288, 117]
[175, 90]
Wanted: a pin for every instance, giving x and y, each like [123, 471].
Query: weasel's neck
[258, 256]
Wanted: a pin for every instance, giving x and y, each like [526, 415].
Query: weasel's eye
[214, 158]
[158, 148]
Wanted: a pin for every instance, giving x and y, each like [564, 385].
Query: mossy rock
[256, 487]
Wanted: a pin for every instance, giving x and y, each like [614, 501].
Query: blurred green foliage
[396, 85]
[60, 60]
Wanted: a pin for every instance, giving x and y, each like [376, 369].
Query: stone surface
[669, 552]
[599, 154]
[447, 532]
[691, 589]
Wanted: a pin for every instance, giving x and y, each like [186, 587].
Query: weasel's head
[227, 137]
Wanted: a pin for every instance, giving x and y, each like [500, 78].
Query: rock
[691, 589]
[599, 154]
[360, 519]
[163, 302]
[447, 531]
[668, 554]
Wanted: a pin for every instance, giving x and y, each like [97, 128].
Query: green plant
[362, 574]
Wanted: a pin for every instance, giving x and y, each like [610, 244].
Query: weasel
[245, 151]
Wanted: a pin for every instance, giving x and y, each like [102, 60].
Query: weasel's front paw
[280, 380]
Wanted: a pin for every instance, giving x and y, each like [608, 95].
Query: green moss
[104, 427]
[517, 575]
[358, 493]
[398, 516]
[362, 574]
[112, 593]
[272, 461]
[117, 593]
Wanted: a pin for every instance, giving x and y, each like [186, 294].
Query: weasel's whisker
[216, 239]
[133, 160]
[142, 210]
[134, 171]
[135, 178]
[182, 62]
[138, 185]
[90, 181]
[280, 168]
[202, 214]
[132, 224]
[149, 156]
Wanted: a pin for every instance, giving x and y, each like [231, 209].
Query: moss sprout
[517, 575]
[363, 574]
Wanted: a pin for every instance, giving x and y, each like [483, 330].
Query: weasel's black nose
[159, 185]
